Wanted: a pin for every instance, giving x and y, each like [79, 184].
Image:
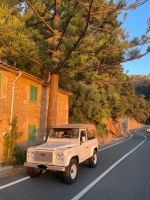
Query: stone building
[26, 97]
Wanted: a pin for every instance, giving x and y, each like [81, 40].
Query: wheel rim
[95, 158]
[36, 171]
[73, 171]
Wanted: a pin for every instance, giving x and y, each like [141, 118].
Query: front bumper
[47, 167]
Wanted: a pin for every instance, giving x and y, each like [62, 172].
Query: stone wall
[26, 111]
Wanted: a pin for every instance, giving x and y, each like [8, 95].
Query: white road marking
[102, 149]
[92, 184]
[15, 182]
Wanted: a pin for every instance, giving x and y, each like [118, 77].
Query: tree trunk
[52, 104]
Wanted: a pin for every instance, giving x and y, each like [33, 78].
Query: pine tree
[77, 36]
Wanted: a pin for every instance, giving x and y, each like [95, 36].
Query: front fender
[69, 157]
[92, 150]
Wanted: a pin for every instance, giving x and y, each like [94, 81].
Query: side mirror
[83, 139]
[44, 138]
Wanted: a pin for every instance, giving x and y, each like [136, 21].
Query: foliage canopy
[84, 43]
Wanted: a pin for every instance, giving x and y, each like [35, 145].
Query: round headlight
[59, 156]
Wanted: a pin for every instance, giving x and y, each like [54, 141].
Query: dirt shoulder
[14, 171]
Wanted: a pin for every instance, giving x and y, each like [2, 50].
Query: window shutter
[33, 93]
[31, 133]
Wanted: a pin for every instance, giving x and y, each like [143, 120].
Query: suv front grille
[43, 156]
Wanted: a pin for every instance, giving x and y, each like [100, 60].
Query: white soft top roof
[80, 126]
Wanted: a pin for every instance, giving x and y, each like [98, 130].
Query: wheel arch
[94, 148]
[75, 157]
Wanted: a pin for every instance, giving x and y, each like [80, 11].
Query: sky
[136, 24]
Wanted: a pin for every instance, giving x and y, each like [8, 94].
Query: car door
[84, 148]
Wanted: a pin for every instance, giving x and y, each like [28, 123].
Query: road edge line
[112, 145]
[14, 182]
[93, 183]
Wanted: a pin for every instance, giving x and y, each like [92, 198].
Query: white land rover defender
[66, 147]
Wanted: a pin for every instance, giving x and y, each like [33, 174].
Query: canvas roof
[80, 126]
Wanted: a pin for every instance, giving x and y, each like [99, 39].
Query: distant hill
[142, 86]
[140, 78]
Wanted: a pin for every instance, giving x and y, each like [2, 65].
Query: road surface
[123, 173]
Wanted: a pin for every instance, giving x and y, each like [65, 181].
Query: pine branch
[21, 53]
[66, 26]
[105, 65]
[112, 49]
[100, 81]
[132, 6]
[82, 5]
[80, 37]
[39, 16]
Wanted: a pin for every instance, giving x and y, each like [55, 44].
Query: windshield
[64, 133]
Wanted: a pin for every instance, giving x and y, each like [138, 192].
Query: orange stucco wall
[27, 112]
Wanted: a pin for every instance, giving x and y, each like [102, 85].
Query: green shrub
[10, 142]
[19, 155]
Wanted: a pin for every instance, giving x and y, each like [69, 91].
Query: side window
[91, 135]
[31, 133]
[33, 93]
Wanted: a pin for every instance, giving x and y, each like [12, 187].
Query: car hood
[55, 145]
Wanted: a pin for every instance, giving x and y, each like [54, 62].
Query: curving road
[123, 173]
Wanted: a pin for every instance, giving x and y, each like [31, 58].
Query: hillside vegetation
[143, 88]
[114, 97]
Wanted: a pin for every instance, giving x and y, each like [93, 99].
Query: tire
[33, 172]
[70, 175]
[93, 160]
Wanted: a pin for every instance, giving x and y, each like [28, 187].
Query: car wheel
[33, 172]
[71, 172]
[93, 160]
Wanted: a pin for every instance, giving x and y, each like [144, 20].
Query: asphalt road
[123, 173]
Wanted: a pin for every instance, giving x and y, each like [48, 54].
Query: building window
[91, 135]
[33, 93]
[31, 133]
